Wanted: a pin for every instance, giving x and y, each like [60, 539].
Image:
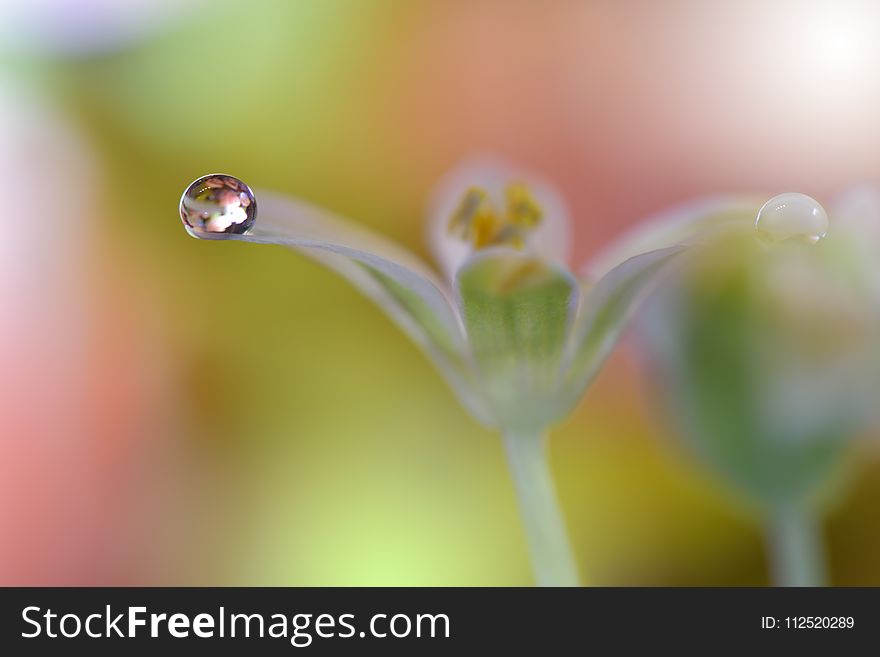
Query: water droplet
[792, 217]
[218, 204]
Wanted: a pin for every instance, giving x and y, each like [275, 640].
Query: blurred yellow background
[175, 412]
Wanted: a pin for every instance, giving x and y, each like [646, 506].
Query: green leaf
[517, 312]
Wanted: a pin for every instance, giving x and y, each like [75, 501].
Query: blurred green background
[175, 412]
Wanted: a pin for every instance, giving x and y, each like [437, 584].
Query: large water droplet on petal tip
[218, 204]
[792, 217]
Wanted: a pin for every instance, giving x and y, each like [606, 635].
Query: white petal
[605, 310]
[679, 225]
[404, 286]
[855, 218]
[550, 240]
[858, 208]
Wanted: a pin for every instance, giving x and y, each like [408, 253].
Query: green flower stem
[552, 560]
[796, 547]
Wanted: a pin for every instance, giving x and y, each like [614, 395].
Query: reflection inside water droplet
[792, 217]
[218, 204]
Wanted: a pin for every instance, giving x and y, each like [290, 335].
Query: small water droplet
[792, 217]
[218, 204]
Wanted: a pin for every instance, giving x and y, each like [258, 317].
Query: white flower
[516, 333]
[768, 358]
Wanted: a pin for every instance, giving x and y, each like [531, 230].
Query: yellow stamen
[522, 209]
[477, 220]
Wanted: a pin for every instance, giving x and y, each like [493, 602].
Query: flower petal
[549, 240]
[679, 225]
[768, 361]
[603, 314]
[622, 275]
[518, 310]
[855, 217]
[619, 278]
[396, 279]
[857, 212]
